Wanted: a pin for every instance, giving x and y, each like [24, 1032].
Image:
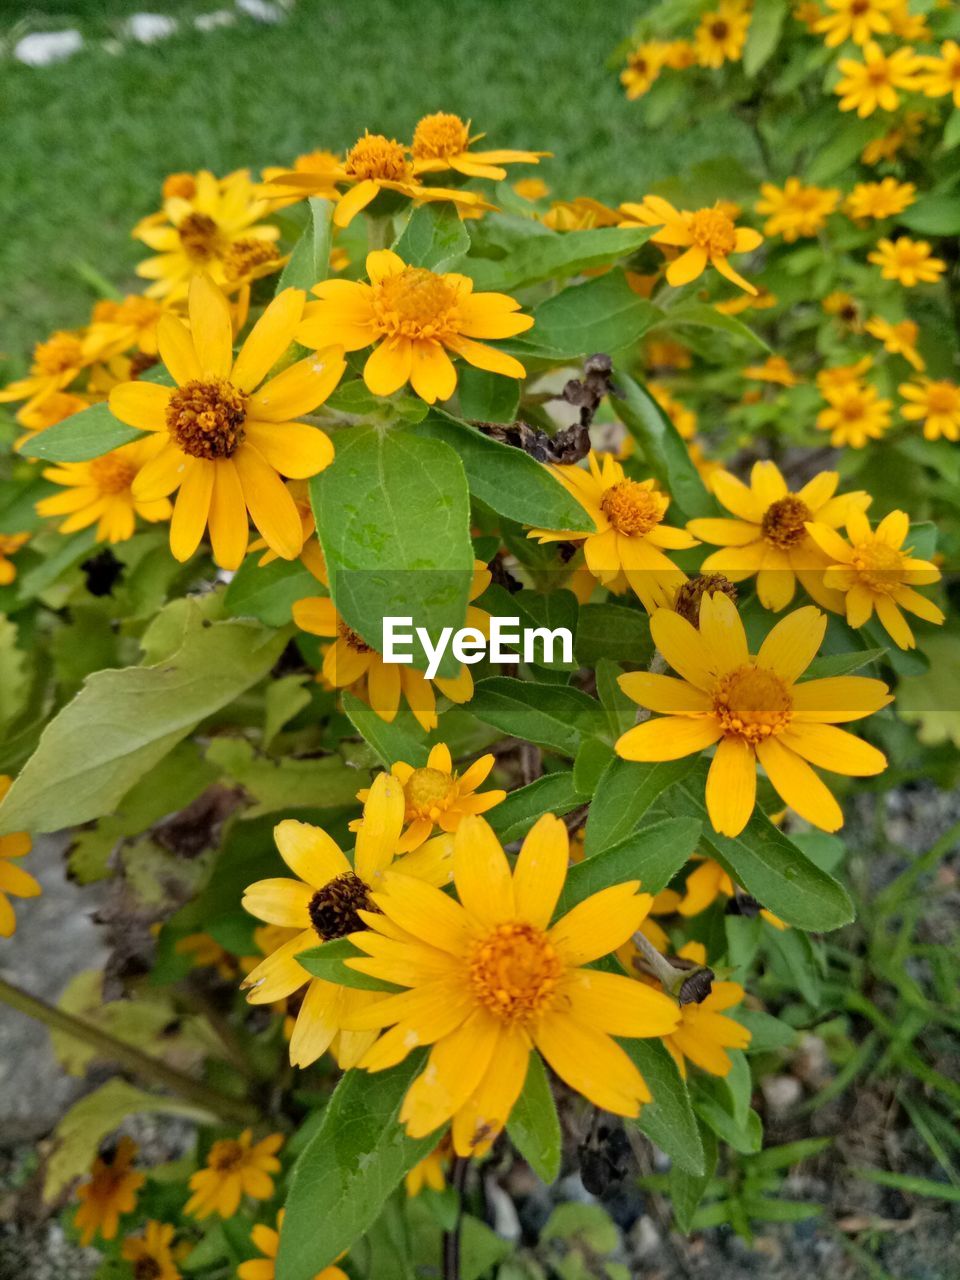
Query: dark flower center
[334, 909]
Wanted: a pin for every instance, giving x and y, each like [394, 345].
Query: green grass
[87, 143]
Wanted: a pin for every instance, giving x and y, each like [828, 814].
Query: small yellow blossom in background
[907, 261]
[413, 318]
[941, 75]
[902, 136]
[796, 209]
[531, 189]
[13, 879]
[844, 307]
[854, 414]
[38, 414]
[110, 1192]
[807, 12]
[431, 1170]
[873, 84]
[708, 236]
[10, 544]
[663, 354]
[768, 536]
[908, 26]
[443, 141]
[206, 953]
[580, 214]
[236, 1167]
[709, 881]
[762, 300]
[704, 1034]
[117, 326]
[627, 548]
[934, 403]
[642, 69]
[267, 1241]
[774, 369]
[323, 166]
[55, 364]
[684, 419]
[678, 55]
[857, 20]
[876, 573]
[100, 492]
[839, 377]
[722, 33]
[754, 709]
[150, 1254]
[227, 439]
[899, 338]
[879, 199]
[507, 983]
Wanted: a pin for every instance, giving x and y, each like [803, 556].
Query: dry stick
[451, 1239]
[125, 1055]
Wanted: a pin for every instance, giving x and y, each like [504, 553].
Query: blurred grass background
[87, 142]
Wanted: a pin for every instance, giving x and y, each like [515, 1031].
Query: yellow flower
[38, 414]
[531, 189]
[267, 1241]
[709, 237]
[579, 214]
[795, 209]
[490, 981]
[117, 326]
[722, 33]
[56, 362]
[442, 141]
[844, 307]
[13, 879]
[323, 904]
[662, 354]
[678, 55]
[761, 300]
[224, 440]
[195, 233]
[903, 135]
[10, 544]
[854, 415]
[941, 76]
[431, 1170]
[768, 536]
[774, 369]
[934, 403]
[417, 317]
[706, 883]
[206, 953]
[684, 419]
[435, 796]
[807, 12]
[857, 20]
[704, 1034]
[873, 83]
[643, 68]
[324, 166]
[101, 492]
[909, 26]
[907, 261]
[899, 338]
[841, 376]
[628, 546]
[754, 709]
[236, 1167]
[879, 199]
[110, 1191]
[150, 1255]
[876, 573]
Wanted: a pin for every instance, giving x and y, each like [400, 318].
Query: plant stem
[125, 1055]
[451, 1238]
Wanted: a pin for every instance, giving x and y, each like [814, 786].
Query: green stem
[126, 1056]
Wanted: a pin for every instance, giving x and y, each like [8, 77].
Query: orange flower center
[200, 237]
[206, 418]
[59, 353]
[440, 135]
[719, 30]
[111, 474]
[226, 1156]
[879, 565]
[878, 73]
[514, 971]
[783, 522]
[334, 909]
[244, 257]
[713, 230]
[859, 7]
[854, 407]
[633, 509]
[352, 639]
[374, 156]
[942, 397]
[414, 303]
[428, 793]
[752, 703]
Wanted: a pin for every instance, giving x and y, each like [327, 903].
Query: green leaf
[434, 237]
[534, 1127]
[624, 794]
[552, 716]
[668, 1120]
[561, 254]
[787, 1154]
[763, 1209]
[393, 515]
[703, 315]
[14, 678]
[766, 1032]
[839, 152]
[713, 1103]
[514, 816]
[664, 450]
[508, 480]
[951, 130]
[653, 856]
[353, 1162]
[911, 1184]
[593, 756]
[310, 260]
[268, 593]
[766, 23]
[614, 632]
[87, 434]
[933, 216]
[283, 700]
[278, 785]
[602, 315]
[389, 741]
[686, 1189]
[487, 397]
[327, 961]
[621, 712]
[122, 723]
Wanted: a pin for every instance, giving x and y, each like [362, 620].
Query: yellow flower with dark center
[631, 537]
[267, 1241]
[110, 1192]
[443, 141]
[909, 262]
[684, 419]
[227, 439]
[858, 20]
[873, 84]
[934, 403]
[490, 980]
[940, 76]
[704, 1034]
[236, 1167]
[13, 879]
[754, 709]
[768, 535]
[899, 338]
[100, 492]
[795, 209]
[708, 237]
[10, 544]
[875, 572]
[326, 902]
[417, 317]
[643, 67]
[431, 1170]
[722, 33]
[774, 369]
[709, 881]
[879, 199]
[854, 414]
[150, 1255]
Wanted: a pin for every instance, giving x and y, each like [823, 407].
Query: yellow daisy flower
[762, 300]
[678, 55]
[643, 67]
[774, 369]
[754, 709]
[38, 414]
[110, 1191]
[225, 437]
[236, 1167]
[580, 214]
[628, 546]
[531, 189]
[417, 318]
[431, 1170]
[708, 237]
[56, 362]
[795, 209]
[879, 199]
[840, 377]
[206, 953]
[934, 403]
[722, 33]
[768, 535]
[858, 20]
[13, 879]
[324, 903]
[149, 1255]
[907, 261]
[684, 419]
[902, 136]
[709, 881]
[875, 572]
[872, 84]
[10, 544]
[490, 981]
[443, 141]
[267, 1241]
[941, 76]
[101, 492]
[854, 414]
[324, 166]
[899, 338]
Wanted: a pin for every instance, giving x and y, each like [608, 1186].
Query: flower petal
[731, 786]
[268, 339]
[793, 643]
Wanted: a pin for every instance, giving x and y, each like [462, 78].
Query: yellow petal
[269, 502]
[684, 648]
[268, 339]
[619, 1005]
[600, 923]
[793, 643]
[309, 852]
[838, 698]
[229, 526]
[482, 874]
[300, 388]
[667, 738]
[291, 448]
[380, 828]
[799, 786]
[830, 748]
[541, 870]
[592, 1064]
[279, 901]
[177, 350]
[731, 786]
[211, 328]
[723, 632]
[141, 404]
[192, 507]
